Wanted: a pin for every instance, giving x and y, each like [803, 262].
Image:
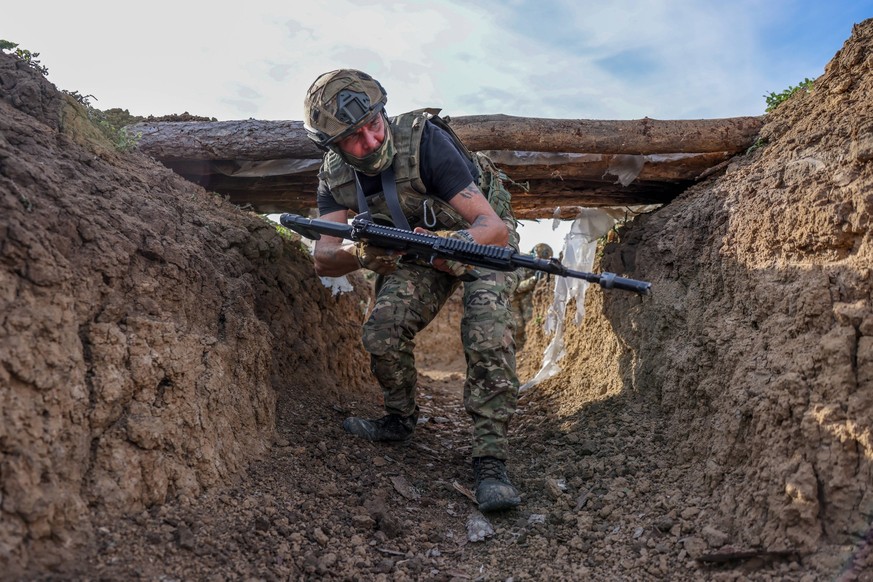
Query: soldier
[522, 299]
[411, 171]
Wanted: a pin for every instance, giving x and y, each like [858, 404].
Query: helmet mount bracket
[352, 106]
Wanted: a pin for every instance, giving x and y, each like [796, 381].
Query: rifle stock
[429, 246]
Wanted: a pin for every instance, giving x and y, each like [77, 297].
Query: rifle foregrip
[428, 245]
[472, 250]
[613, 281]
[314, 228]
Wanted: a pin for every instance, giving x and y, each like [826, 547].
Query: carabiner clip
[433, 220]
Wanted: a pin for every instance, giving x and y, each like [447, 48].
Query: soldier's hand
[445, 265]
[377, 259]
[526, 285]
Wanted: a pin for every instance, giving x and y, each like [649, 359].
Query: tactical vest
[420, 208]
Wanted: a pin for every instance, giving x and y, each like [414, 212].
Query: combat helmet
[338, 103]
[542, 251]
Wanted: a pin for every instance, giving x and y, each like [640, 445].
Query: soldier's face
[365, 140]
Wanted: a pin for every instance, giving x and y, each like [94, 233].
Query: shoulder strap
[389, 188]
[443, 124]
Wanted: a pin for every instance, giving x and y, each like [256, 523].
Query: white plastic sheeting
[580, 246]
[523, 158]
[627, 167]
[337, 285]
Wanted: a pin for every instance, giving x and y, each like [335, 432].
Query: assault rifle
[426, 247]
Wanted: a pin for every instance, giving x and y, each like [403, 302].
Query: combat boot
[392, 427]
[493, 489]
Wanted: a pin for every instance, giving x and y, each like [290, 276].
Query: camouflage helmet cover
[542, 251]
[338, 103]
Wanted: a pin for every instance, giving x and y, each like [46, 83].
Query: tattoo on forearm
[470, 191]
[481, 220]
[330, 253]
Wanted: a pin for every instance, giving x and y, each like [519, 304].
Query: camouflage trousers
[522, 312]
[406, 301]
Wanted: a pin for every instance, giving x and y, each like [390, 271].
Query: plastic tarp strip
[580, 247]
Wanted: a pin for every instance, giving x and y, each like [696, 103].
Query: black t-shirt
[445, 171]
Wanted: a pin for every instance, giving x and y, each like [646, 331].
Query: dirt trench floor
[324, 505]
[601, 501]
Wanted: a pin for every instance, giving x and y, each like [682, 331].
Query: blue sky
[677, 59]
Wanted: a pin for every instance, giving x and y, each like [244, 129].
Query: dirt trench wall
[145, 327]
[758, 340]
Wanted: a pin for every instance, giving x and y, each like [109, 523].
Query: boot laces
[396, 423]
[391, 421]
[490, 468]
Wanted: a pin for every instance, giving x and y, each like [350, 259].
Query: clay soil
[173, 377]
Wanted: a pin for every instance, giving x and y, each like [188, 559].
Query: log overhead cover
[271, 166]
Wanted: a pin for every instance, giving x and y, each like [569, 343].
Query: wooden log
[249, 139]
[655, 167]
[517, 165]
[639, 136]
[266, 140]
[532, 199]
[544, 198]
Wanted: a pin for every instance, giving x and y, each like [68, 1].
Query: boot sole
[500, 504]
[349, 426]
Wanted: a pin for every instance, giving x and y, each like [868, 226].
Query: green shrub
[110, 122]
[23, 55]
[776, 99]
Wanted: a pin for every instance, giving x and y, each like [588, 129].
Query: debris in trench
[464, 491]
[478, 527]
[730, 554]
[402, 486]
